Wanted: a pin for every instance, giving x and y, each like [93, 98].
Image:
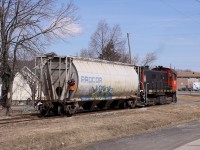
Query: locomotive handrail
[146, 92]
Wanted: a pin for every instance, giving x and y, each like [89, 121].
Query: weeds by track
[34, 117]
[37, 116]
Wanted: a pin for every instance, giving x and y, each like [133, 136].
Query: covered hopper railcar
[99, 84]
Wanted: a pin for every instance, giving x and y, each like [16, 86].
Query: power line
[183, 14]
[197, 1]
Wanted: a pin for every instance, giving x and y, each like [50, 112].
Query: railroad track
[28, 118]
[38, 117]
[16, 120]
[34, 117]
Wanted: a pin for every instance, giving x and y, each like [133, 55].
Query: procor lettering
[87, 79]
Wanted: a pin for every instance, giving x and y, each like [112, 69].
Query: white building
[21, 89]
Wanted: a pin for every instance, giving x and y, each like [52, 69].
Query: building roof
[188, 74]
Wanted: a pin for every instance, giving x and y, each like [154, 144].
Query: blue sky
[169, 27]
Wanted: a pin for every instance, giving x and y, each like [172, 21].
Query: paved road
[194, 145]
[164, 139]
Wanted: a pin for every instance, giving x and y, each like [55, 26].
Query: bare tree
[149, 58]
[107, 43]
[26, 27]
[86, 53]
[135, 59]
[100, 38]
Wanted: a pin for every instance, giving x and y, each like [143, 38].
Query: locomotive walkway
[181, 137]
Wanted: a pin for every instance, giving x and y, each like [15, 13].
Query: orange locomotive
[157, 85]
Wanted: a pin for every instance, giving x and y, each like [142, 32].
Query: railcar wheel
[162, 100]
[42, 110]
[131, 103]
[70, 110]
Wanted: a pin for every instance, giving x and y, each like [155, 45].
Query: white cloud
[66, 27]
[75, 28]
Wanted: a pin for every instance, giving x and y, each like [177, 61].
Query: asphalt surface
[194, 145]
[164, 139]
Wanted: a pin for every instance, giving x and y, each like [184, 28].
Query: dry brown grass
[82, 130]
[189, 98]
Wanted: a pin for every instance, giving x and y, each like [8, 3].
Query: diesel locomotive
[99, 84]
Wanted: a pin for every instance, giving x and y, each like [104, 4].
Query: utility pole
[129, 47]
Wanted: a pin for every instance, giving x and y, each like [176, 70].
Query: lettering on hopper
[87, 79]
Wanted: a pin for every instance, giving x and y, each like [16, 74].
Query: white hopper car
[98, 84]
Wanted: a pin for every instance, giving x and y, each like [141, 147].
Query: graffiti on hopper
[101, 91]
[88, 79]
